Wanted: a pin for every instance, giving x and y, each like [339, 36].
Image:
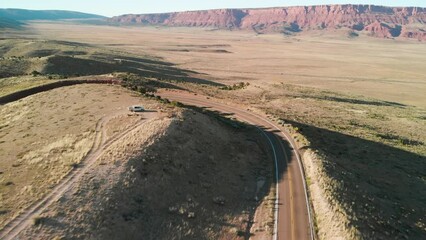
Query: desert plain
[356, 107]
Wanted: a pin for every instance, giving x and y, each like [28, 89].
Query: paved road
[24, 219]
[292, 216]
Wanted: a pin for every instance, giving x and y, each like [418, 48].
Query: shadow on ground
[104, 64]
[198, 182]
[72, 59]
[381, 187]
[358, 101]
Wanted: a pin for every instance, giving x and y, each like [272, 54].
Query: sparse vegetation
[62, 139]
[74, 165]
[137, 83]
[38, 220]
[146, 173]
[20, 57]
[362, 145]
[227, 120]
[369, 150]
[236, 86]
[8, 183]
[176, 104]
[35, 73]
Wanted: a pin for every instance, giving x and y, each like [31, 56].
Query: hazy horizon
[110, 9]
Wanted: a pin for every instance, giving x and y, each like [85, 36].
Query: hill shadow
[73, 66]
[355, 101]
[10, 23]
[381, 187]
[212, 182]
[70, 43]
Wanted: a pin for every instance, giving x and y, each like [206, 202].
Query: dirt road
[26, 217]
[292, 210]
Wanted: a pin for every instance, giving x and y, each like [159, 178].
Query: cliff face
[379, 21]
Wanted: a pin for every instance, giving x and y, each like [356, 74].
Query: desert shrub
[176, 104]
[141, 89]
[38, 220]
[240, 85]
[8, 183]
[74, 165]
[137, 83]
[166, 101]
[35, 73]
[149, 95]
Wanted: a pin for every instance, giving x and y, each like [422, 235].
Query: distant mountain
[10, 23]
[23, 15]
[379, 21]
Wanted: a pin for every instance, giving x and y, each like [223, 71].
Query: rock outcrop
[379, 21]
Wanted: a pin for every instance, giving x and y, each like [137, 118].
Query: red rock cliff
[379, 21]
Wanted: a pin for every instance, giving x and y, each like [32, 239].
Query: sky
[118, 7]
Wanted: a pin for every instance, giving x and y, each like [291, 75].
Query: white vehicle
[136, 108]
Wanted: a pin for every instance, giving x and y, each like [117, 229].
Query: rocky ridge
[379, 21]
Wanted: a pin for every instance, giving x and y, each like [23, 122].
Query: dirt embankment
[330, 218]
[49, 86]
[184, 176]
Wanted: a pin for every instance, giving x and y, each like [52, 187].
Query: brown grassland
[384, 69]
[356, 106]
[46, 135]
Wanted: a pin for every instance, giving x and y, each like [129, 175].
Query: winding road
[293, 218]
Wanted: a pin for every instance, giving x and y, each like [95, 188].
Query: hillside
[10, 23]
[24, 14]
[63, 59]
[379, 21]
[165, 179]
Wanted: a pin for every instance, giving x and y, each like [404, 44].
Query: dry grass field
[14, 84]
[389, 70]
[356, 107]
[45, 135]
[169, 180]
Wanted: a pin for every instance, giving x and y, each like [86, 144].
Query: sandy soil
[43, 136]
[168, 180]
[371, 149]
[390, 70]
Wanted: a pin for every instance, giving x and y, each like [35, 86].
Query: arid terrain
[183, 176]
[375, 21]
[355, 107]
[44, 137]
[391, 70]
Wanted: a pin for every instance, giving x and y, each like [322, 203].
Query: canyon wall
[379, 21]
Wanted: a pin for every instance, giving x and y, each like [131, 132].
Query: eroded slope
[44, 136]
[181, 176]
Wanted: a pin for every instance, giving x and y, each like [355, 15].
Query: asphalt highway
[292, 209]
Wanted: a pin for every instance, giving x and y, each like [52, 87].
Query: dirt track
[293, 216]
[14, 227]
[293, 219]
